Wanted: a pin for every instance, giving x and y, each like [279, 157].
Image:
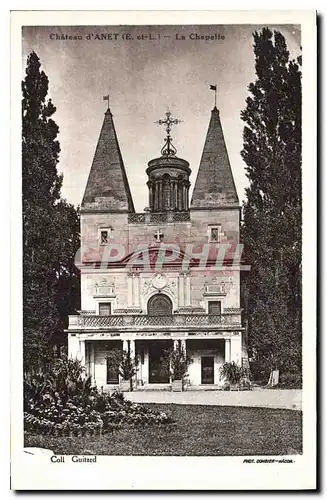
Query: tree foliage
[272, 214]
[179, 363]
[122, 361]
[50, 224]
[232, 372]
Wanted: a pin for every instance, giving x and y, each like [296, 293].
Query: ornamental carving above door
[160, 305]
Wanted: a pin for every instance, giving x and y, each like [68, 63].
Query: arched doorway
[160, 305]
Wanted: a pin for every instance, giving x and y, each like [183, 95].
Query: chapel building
[163, 278]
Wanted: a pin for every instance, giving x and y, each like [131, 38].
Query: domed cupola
[168, 176]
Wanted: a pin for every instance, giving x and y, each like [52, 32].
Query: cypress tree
[272, 217]
[50, 224]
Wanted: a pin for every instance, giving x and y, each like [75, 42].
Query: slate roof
[107, 187]
[214, 186]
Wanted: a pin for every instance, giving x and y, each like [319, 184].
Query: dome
[168, 176]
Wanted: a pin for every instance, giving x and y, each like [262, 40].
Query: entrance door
[207, 370]
[112, 374]
[158, 363]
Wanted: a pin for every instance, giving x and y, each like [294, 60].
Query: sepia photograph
[162, 243]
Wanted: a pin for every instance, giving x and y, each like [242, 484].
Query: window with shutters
[104, 308]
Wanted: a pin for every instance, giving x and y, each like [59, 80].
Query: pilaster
[82, 352]
[227, 350]
[187, 292]
[129, 290]
[181, 290]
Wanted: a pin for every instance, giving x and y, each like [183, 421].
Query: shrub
[64, 377]
[124, 364]
[231, 372]
[104, 413]
[62, 401]
[36, 384]
[128, 366]
[179, 363]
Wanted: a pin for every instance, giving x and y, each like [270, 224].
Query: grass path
[199, 430]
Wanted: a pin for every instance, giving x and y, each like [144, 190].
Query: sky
[144, 77]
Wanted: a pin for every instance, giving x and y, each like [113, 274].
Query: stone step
[204, 387]
[154, 387]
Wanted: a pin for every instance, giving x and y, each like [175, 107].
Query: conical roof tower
[214, 186]
[107, 188]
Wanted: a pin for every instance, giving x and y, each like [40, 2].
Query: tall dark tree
[50, 224]
[272, 216]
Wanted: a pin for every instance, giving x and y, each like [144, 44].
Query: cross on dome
[168, 149]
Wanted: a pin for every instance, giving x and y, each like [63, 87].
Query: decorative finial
[168, 149]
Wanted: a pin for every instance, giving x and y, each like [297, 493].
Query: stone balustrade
[158, 217]
[141, 320]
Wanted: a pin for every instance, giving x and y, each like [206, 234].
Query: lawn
[198, 430]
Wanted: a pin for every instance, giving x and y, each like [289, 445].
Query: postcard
[164, 193]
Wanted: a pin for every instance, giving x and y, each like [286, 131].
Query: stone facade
[163, 278]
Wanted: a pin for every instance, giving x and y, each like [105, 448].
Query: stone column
[167, 190]
[227, 350]
[82, 352]
[187, 196]
[132, 348]
[160, 207]
[181, 290]
[151, 196]
[175, 345]
[183, 345]
[184, 198]
[187, 294]
[180, 196]
[145, 368]
[132, 355]
[73, 346]
[172, 195]
[175, 195]
[125, 345]
[156, 195]
[93, 363]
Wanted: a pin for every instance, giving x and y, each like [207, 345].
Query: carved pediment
[160, 282]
